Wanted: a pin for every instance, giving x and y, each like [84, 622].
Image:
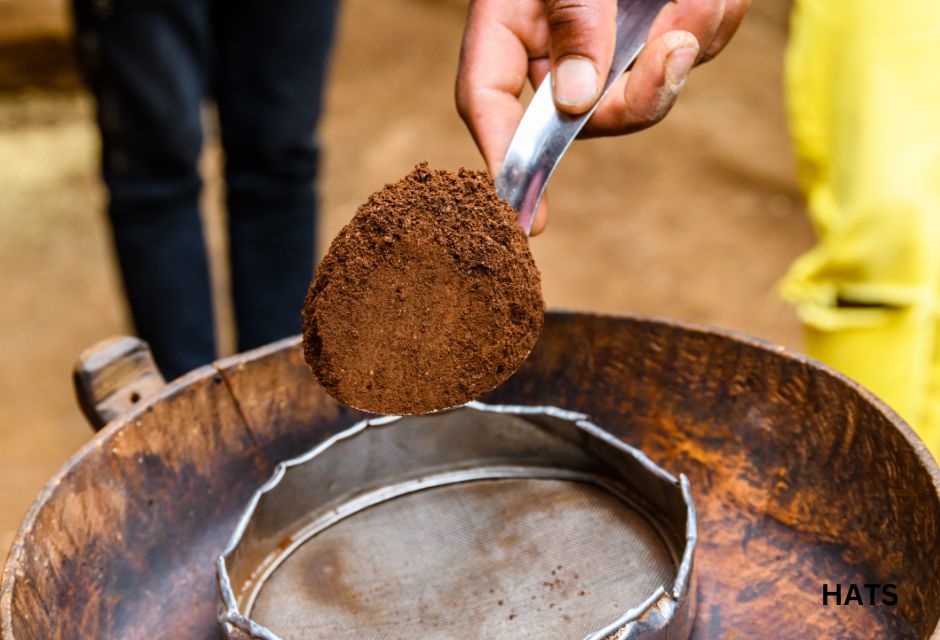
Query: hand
[507, 42]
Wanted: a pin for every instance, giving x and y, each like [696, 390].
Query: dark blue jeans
[151, 64]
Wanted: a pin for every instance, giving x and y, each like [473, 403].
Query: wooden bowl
[800, 477]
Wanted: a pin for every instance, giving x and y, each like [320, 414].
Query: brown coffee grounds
[427, 299]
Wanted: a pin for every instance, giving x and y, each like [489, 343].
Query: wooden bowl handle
[112, 376]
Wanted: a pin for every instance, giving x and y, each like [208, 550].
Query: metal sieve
[481, 522]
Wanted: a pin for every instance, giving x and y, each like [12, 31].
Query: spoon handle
[545, 133]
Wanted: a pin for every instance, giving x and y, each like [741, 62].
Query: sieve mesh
[509, 558]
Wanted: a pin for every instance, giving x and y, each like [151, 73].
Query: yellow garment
[863, 87]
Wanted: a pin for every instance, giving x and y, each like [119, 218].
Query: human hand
[507, 42]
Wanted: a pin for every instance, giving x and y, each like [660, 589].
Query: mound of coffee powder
[428, 298]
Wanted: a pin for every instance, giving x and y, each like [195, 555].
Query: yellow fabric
[863, 88]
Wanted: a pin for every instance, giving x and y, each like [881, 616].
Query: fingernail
[679, 63]
[575, 83]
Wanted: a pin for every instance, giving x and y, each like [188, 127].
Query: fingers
[507, 41]
[701, 18]
[492, 73]
[581, 46]
[540, 221]
[538, 69]
[645, 95]
[735, 10]
[685, 33]
[712, 22]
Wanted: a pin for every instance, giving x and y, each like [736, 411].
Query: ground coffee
[428, 298]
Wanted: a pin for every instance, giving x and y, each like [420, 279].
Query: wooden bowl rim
[9, 575]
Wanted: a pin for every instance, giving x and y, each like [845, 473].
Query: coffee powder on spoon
[427, 299]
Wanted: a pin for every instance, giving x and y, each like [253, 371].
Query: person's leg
[865, 126]
[145, 63]
[269, 78]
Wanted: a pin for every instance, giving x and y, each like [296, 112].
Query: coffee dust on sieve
[427, 299]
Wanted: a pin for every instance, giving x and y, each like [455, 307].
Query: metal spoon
[545, 133]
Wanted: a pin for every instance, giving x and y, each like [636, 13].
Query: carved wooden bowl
[801, 479]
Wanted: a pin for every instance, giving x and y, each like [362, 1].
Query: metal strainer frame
[572, 448]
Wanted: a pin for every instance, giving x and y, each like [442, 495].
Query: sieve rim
[661, 607]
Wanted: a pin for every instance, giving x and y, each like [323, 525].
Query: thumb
[581, 45]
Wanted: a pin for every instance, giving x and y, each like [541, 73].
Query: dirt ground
[695, 219]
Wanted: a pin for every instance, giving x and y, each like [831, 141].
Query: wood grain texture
[120, 544]
[800, 478]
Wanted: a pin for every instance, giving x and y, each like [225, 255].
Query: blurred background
[694, 219]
